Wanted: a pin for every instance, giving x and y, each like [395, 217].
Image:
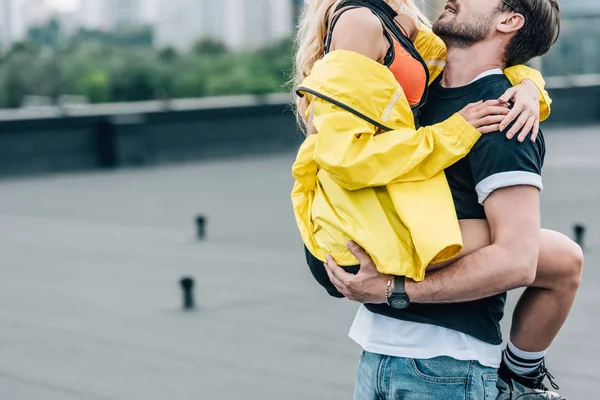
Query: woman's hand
[486, 116]
[526, 99]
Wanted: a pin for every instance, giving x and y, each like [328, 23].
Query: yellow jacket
[387, 192]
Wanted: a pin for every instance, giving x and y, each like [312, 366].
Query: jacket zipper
[342, 105]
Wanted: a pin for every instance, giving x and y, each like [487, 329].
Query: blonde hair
[310, 40]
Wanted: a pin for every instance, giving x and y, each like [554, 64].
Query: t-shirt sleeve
[497, 163]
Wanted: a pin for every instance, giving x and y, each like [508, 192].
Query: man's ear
[512, 23]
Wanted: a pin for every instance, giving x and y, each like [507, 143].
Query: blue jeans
[442, 378]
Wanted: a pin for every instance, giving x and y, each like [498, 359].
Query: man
[452, 349]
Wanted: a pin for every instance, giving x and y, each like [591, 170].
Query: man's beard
[463, 34]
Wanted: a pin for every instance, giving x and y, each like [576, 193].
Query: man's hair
[539, 33]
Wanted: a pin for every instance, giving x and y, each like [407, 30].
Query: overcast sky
[64, 5]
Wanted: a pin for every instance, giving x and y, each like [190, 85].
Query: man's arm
[509, 262]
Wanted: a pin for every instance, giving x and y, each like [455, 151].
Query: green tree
[46, 36]
[95, 85]
[142, 36]
[124, 66]
[209, 47]
[18, 73]
[168, 55]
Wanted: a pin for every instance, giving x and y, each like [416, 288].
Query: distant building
[112, 14]
[125, 13]
[149, 11]
[94, 14]
[28, 14]
[69, 22]
[5, 25]
[179, 23]
[239, 24]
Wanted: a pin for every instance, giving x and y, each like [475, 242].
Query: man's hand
[367, 287]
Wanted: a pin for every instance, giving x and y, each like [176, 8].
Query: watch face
[399, 304]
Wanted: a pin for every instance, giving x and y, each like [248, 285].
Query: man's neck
[463, 65]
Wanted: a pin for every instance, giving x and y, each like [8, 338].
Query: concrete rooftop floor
[90, 303]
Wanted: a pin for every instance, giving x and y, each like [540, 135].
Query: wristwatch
[398, 298]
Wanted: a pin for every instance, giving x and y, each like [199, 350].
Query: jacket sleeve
[433, 51]
[519, 73]
[305, 169]
[352, 152]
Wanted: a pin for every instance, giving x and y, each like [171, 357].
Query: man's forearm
[487, 272]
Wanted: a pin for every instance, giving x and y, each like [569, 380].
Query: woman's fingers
[489, 103]
[493, 110]
[477, 114]
[472, 105]
[520, 123]
[536, 130]
[489, 129]
[526, 129]
[495, 115]
[491, 120]
[508, 95]
[511, 116]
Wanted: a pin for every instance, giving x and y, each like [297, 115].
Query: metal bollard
[187, 286]
[579, 231]
[201, 227]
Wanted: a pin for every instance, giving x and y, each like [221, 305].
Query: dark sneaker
[530, 387]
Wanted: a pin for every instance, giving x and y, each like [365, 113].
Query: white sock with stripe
[522, 362]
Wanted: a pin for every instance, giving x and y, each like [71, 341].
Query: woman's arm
[351, 149]
[433, 51]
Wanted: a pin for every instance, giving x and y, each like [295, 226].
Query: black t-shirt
[493, 163]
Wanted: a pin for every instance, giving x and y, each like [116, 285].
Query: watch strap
[399, 285]
[399, 299]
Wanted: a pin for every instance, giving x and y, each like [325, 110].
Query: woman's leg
[475, 234]
[544, 306]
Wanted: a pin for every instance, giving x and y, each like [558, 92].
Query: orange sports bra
[408, 71]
